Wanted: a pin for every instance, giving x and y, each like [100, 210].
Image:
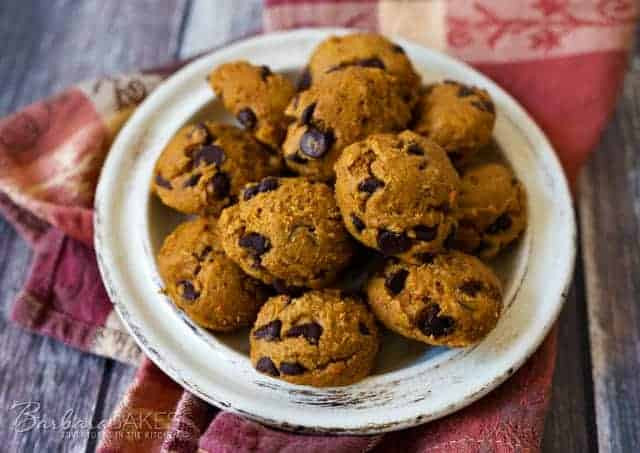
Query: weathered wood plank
[48, 44]
[570, 423]
[610, 223]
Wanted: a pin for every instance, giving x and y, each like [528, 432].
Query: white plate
[412, 384]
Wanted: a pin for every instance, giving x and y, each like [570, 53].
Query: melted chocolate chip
[465, 91]
[266, 185]
[247, 118]
[370, 185]
[255, 243]
[484, 105]
[502, 223]
[315, 143]
[220, 185]
[397, 48]
[188, 290]
[269, 332]
[391, 243]
[281, 287]
[160, 181]
[373, 62]
[364, 330]
[425, 258]
[425, 232]
[472, 287]
[304, 82]
[450, 240]
[266, 365]
[395, 282]
[192, 181]
[265, 71]
[358, 224]
[307, 113]
[310, 331]
[415, 149]
[433, 325]
[291, 368]
[205, 252]
[210, 154]
[296, 158]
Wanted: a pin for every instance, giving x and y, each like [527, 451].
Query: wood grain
[610, 223]
[47, 45]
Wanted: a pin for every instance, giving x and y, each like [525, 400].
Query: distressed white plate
[412, 384]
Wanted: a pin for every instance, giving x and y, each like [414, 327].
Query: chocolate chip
[465, 91]
[391, 243]
[247, 118]
[484, 105]
[364, 330]
[358, 224]
[310, 331]
[160, 181]
[281, 287]
[210, 154]
[192, 181]
[425, 232]
[450, 240]
[433, 325]
[188, 291]
[266, 365]
[425, 258]
[315, 143]
[397, 48]
[220, 185]
[304, 82]
[472, 287]
[373, 62]
[205, 252]
[307, 113]
[296, 158]
[370, 185]
[415, 149]
[266, 185]
[502, 223]
[395, 282]
[269, 332]
[292, 368]
[256, 243]
[265, 72]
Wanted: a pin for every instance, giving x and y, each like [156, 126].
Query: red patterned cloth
[564, 60]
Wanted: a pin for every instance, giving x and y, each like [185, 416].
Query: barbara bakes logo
[28, 416]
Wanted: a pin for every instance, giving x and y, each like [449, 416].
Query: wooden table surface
[49, 44]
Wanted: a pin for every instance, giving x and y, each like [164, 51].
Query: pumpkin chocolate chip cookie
[210, 288]
[322, 338]
[205, 165]
[492, 209]
[365, 50]
[287, 232]
[256, 96]
[397, 194]
[457, 117]
[455, 300]
[343, 107]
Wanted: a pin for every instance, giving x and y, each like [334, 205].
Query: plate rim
[133, 326]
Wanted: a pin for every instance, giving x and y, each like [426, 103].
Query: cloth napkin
[563, 60]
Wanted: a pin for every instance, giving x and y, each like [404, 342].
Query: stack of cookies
[359, 158]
